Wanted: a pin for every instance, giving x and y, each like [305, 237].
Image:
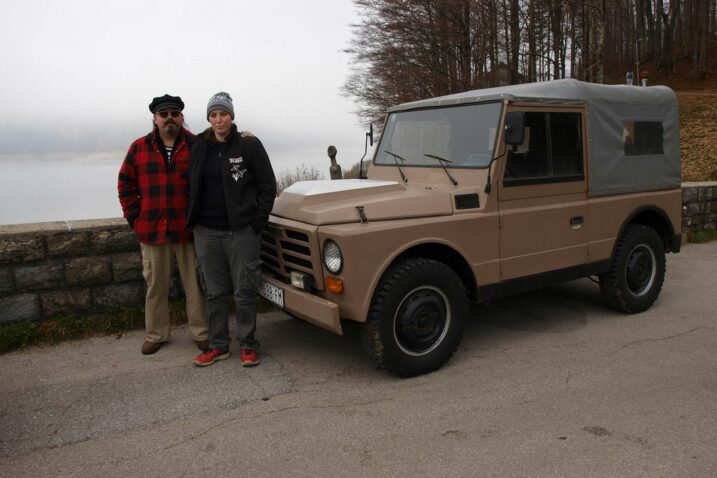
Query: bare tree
[404, 50]
[300, 173]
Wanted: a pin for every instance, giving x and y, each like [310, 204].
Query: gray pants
[229, 262]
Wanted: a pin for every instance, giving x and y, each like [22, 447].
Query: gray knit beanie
[220, 101]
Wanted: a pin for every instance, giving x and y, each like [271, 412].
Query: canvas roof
[609, 107]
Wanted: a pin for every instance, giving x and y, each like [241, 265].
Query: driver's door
[543, 196]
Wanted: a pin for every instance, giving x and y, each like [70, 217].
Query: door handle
[576, 221]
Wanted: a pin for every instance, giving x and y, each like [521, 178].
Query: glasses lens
[165, 114]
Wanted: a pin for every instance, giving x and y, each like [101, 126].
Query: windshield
[456, 136]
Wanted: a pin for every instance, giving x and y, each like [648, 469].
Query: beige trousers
[157, 261]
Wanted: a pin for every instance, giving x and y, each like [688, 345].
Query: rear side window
[642, 137]
[552, 150]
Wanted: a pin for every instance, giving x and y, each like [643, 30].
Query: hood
[336, 202]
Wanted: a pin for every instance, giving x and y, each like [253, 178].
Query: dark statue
[335, 169]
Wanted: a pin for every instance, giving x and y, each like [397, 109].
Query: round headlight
[333, 260]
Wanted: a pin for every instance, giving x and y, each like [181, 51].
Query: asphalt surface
[547, 384]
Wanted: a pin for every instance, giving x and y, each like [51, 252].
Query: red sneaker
[209, 357]
[248, 357]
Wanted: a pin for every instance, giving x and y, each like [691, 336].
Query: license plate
[272, 293]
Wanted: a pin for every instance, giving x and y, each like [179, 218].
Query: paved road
[547, 384]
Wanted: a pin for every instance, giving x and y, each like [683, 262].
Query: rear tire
[637, 271]
[417, 317]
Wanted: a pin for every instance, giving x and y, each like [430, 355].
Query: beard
[171, 127]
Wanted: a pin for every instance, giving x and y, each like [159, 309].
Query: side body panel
[609, 213]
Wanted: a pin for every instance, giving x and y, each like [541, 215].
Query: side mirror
[514, 127]
[369, 137]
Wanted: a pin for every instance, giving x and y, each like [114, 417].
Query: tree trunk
[652, 44]
[532, 55]
[514, 41]
[669, 20]
[573, 46]
[600, 41]
[587, 45]
[556, 21]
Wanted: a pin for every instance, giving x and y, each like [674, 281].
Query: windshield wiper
[442, 162]
[396, 158]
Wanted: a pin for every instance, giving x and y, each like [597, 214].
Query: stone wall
[68, 267]
[699, 206]
[78, 267]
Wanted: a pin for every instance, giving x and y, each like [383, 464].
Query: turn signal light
[334, 285]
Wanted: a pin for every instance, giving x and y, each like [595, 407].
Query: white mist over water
[40, 190]
[63, 187]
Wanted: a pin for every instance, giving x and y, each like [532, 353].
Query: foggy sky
[77, 76]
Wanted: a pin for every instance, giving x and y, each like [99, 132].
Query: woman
[232, 191]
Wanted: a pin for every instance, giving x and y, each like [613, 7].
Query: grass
[18, 335]
[701, 235]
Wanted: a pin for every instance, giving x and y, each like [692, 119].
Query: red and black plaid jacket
[153, 194]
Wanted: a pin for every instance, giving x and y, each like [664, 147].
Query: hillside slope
[698, 135]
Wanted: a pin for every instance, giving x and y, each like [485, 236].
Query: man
[152, 188]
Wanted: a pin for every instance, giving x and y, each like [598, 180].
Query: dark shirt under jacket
[212, 211]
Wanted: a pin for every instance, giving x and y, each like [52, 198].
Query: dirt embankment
[698, 135]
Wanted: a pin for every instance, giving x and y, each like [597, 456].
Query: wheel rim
[640, 270]
[421, 321]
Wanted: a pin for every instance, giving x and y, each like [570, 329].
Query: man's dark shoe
[202, 345]
[149, 348]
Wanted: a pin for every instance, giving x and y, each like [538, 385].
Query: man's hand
[247, 134]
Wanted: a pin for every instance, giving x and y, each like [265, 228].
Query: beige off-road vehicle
[476, 196]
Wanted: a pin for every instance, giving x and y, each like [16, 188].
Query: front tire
[637, 271]
[417, 317]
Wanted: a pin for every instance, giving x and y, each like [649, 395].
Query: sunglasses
[165, 114]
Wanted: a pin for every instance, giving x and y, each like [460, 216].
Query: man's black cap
[166, 102]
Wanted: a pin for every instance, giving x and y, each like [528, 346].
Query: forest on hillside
[403, 50]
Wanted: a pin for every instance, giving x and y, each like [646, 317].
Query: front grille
[299, 236]
[297, 261]
[284, 250]
[290, 246]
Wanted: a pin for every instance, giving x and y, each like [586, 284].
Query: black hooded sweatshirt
[247, 179]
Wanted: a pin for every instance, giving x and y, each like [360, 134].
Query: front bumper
[308, 307]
